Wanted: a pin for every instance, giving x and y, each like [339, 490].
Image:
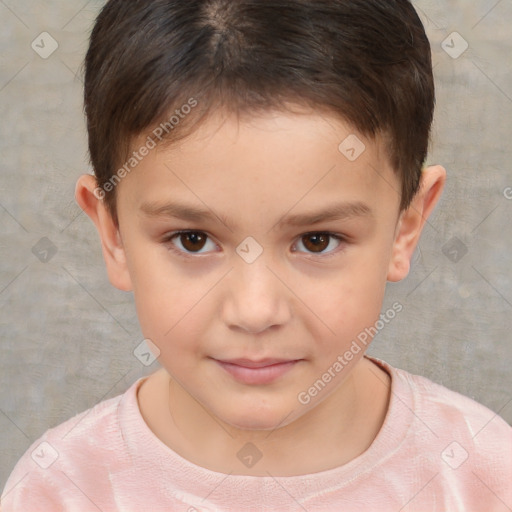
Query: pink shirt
[436, 451]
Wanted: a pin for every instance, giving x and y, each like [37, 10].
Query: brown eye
[316, 243]
[319, 243]
[188, 243]
[193, 241]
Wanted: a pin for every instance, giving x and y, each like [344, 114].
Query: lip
[263, 371]
[250, 363]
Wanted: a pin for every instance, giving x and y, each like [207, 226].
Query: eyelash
[171, 236]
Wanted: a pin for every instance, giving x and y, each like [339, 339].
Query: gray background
[68, 337]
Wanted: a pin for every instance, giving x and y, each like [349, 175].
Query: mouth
[264, 371]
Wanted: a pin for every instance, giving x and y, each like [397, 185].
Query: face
[256, 240]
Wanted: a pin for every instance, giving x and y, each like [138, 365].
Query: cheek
[347, 303]
[167, 298]
[176, 323]
[354, 307]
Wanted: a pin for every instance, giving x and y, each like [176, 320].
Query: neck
[348, 419]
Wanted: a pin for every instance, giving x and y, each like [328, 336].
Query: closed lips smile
[249, 363]
[257, 372]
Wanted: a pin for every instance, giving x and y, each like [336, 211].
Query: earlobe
[86, 195]
[412, 221]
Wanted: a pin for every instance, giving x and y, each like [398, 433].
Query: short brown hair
[368, 61]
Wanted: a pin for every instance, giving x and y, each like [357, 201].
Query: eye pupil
[193, 241]
[319, 242]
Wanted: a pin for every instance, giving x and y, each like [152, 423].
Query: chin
[250, 419]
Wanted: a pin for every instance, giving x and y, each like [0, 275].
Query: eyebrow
[337, 211]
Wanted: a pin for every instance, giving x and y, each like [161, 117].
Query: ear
[413, 219]
[90, 198]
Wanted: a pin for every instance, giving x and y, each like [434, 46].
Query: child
[286, 141]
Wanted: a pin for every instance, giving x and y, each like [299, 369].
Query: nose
[256, 299]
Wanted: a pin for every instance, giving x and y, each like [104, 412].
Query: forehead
[265, 163]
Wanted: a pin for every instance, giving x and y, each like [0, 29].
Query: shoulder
[463, 445]
[64, 464]
[446, 408]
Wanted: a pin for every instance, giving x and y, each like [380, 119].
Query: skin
[297, 300]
